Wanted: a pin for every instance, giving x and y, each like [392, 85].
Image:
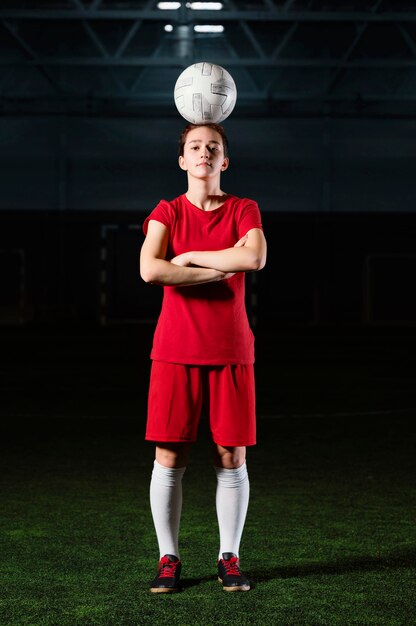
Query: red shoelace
[231, 566]
[167, 569]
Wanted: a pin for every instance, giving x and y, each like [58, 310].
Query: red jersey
[204, 324]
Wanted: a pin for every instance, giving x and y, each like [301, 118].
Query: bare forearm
[161, 272]
[242, 259]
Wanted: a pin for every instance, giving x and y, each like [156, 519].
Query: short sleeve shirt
[204, 324]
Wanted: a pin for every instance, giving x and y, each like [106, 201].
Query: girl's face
[203, 155]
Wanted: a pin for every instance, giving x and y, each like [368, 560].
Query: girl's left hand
[183, 259]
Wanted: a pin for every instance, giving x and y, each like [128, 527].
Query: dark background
[322, 136]
[337, 198]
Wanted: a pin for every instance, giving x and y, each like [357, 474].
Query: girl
[198, 247]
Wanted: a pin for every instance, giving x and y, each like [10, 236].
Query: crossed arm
[192, 268]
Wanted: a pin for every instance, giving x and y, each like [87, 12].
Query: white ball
[205, 93]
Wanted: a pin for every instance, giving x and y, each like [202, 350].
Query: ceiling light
[209, 28]
[168, 6]
[205, 6]
[168, 28]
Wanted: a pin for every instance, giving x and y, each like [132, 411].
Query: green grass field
[330, 537]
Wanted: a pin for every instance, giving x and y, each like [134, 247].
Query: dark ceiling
[294, 57]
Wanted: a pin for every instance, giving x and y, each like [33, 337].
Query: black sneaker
[168, 574]
[229, 573]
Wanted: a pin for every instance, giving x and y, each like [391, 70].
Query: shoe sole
[164, 589]
[235, 588]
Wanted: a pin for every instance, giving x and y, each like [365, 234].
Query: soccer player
[198, 247]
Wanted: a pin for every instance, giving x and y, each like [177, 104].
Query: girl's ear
[225, 165]
[182, 163]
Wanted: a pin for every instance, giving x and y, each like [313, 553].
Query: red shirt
[204, 324]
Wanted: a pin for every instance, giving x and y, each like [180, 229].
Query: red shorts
[178, 392]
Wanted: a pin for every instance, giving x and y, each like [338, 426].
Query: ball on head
[204, 93]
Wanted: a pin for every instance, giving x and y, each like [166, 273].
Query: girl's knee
[173, 455]
[229, 457]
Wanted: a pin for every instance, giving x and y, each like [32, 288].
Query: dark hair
[219, 129]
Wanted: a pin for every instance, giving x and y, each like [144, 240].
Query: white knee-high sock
[166, 506]
[233, 490]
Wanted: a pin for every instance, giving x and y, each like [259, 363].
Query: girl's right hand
[241, 242]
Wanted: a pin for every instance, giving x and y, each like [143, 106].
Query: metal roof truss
[291, 56]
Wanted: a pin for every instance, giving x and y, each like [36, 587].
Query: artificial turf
[330, 537]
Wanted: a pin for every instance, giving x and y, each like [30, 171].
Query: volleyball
[205, 93]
